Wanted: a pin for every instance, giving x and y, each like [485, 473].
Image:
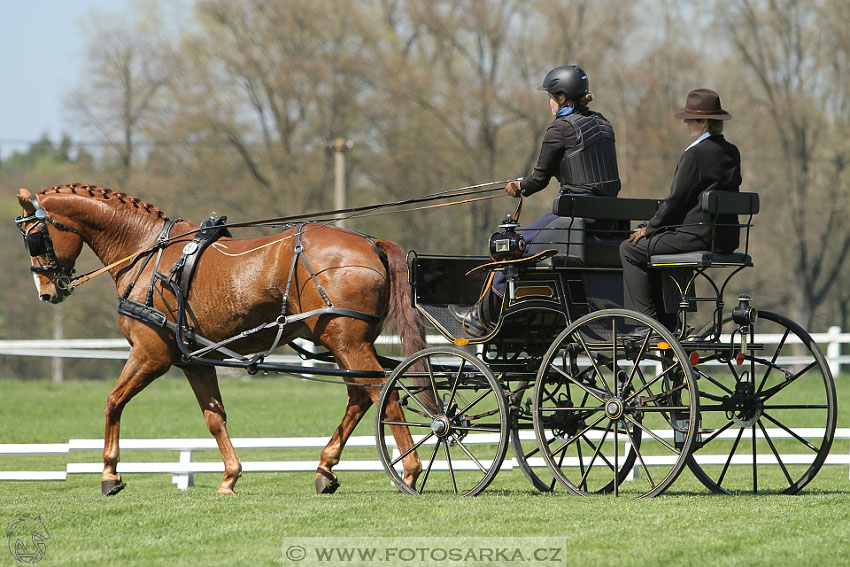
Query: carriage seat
[600, 224]
[716, 203]
[701, 259]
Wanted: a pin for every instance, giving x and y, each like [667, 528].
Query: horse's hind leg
[358, 402]
[360, 398]
[205, 385]
[139, 371]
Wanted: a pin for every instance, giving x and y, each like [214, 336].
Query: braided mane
[106, 194]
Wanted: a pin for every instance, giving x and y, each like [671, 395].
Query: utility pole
[338, 147]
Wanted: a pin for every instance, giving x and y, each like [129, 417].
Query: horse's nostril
[45, 297]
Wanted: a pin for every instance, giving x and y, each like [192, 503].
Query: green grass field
[153, 523]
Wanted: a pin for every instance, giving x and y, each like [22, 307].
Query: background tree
[230, 109]
[781, 43]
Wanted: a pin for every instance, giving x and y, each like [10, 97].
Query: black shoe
[470, 319]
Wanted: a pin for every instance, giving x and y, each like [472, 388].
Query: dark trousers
[640, 287]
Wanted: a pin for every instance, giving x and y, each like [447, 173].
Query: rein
[161, 243]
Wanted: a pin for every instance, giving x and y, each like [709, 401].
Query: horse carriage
[592, 397]
[616, 400]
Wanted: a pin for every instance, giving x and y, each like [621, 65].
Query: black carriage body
[600, 384]
[542, 298]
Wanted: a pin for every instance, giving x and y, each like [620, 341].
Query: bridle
[38, 243]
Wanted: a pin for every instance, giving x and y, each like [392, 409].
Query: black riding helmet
[569, 80]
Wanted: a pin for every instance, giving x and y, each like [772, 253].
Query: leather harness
[179, 281]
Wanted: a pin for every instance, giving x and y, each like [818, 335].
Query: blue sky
[42, 47]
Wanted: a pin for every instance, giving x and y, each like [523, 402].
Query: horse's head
[53, 246]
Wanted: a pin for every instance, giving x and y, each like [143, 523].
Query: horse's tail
[401, 316]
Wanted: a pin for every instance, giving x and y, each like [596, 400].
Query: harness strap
[86, 277]
[299, 251]
[160, 245]
[282, 321]
[161, 241]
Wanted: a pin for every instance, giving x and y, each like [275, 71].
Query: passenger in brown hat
[710, 163]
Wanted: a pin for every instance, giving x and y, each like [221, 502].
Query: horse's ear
[24, 200]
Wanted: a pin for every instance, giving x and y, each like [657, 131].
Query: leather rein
[322, 216]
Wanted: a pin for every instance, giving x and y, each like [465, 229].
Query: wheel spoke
[729, 460]
[415, 399]
[636, 449]
[577, 436]
[773, 360]
[406, 423]
[616, 458]
[451, 468]
[457, 381]
[593, 362]
[430, 464]
[652, 434]
[636, 367]
[595, 454]
[469, 454]
[775, 453]
[646, 386]
[791, 432]
[412, 448]
[485, 428]
[470, 405]
[579, 384]
[716, 433]
[767, 394]
[755, 462]
[601, 454]
[433, 383]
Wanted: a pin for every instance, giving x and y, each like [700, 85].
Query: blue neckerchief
[564, 111]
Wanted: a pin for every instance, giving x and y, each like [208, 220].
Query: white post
[184, 480]
[833, 350]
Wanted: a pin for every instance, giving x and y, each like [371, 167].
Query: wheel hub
[614, 408]
[747, 407]
[440, 426]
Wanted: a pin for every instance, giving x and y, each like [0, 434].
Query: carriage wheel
[615, 399]
[768, 414]
[456, 412]
[527, 451]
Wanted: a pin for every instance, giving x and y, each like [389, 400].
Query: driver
[577, 149]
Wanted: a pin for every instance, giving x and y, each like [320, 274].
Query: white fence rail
[184, 468]
[118, 349]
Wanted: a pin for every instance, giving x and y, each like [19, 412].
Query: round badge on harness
[190, 248]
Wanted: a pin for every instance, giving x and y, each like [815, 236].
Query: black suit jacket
[713, 164]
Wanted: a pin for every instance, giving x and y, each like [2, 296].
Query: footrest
[701, 259]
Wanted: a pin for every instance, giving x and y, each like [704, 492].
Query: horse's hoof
[112, 487]
[226, 491]
[326, 483]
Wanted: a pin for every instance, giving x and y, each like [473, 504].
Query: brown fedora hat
[703, 103]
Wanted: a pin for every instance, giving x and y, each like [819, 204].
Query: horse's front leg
[205, 385]
[141, 369]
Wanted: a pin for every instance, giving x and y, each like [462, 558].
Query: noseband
[38, 243]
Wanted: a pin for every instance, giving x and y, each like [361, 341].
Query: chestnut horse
[238, 285]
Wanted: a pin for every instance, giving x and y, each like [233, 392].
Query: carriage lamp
[744, 314]
[507, 244]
